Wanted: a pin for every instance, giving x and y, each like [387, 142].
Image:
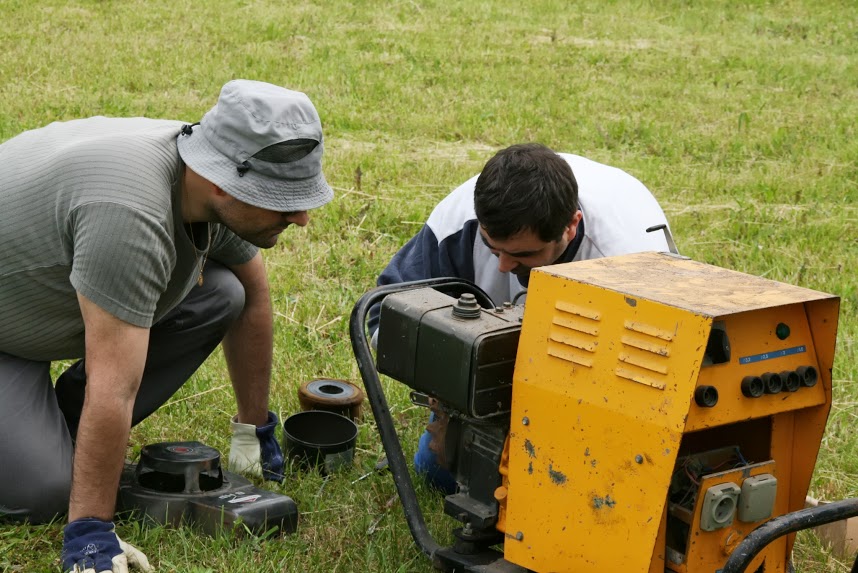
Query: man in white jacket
[529, 207]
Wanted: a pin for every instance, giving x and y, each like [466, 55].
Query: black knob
[791, 380]
[706, 396]
[773, 382]
[753, 386]
[467, 307]
[808, 375]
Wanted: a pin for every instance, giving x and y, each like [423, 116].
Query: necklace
[204, 253]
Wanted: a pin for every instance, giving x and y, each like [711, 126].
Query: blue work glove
[255, 449]
[91, 545]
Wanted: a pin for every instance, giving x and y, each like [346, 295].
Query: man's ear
[572, 229]
[217, 191]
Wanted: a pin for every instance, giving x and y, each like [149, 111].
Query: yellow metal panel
[756, 350]
[659, 557]
[602, 387]
[682, 283]
[611, 352]
[708, 550]
[787, 455]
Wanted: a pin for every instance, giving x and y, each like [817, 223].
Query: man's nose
[300, 218]
[506, 263]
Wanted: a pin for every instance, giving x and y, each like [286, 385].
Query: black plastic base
[486, 561]
[220, 502]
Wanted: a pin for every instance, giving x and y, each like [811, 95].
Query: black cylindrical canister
[320, 439]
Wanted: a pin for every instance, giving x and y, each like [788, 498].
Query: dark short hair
[526, 187]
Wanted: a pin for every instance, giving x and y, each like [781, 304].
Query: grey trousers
[38, 422]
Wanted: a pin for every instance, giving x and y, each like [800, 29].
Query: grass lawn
[741, 118]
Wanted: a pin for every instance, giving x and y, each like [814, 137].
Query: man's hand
[255, 449]
[437, 429]
[91, 545]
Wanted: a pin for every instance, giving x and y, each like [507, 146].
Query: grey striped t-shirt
[94, 205]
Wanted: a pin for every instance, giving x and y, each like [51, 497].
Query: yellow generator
[641, 414]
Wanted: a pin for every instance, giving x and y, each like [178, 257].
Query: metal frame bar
[378, 402]
[759, 538]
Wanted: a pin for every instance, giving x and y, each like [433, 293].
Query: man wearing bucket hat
[131, 244]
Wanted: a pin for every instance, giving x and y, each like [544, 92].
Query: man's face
[525, 250]
[255, 225]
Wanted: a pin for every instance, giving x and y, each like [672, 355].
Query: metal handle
[667, 235]
[759, 538]
[378, 402]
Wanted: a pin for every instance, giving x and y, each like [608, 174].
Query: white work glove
[91, 545]
[255, 450]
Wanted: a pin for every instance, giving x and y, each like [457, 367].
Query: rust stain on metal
[528, 446]
[600, 502]
[559, 478]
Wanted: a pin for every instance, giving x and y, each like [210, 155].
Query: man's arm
[424, 257]
[248, 344]
[115, 357]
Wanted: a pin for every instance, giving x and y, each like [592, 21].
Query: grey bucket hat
[249, 118]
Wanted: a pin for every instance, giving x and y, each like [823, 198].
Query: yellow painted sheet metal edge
[584, 465]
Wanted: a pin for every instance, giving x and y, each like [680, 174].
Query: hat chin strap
[188, 128]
